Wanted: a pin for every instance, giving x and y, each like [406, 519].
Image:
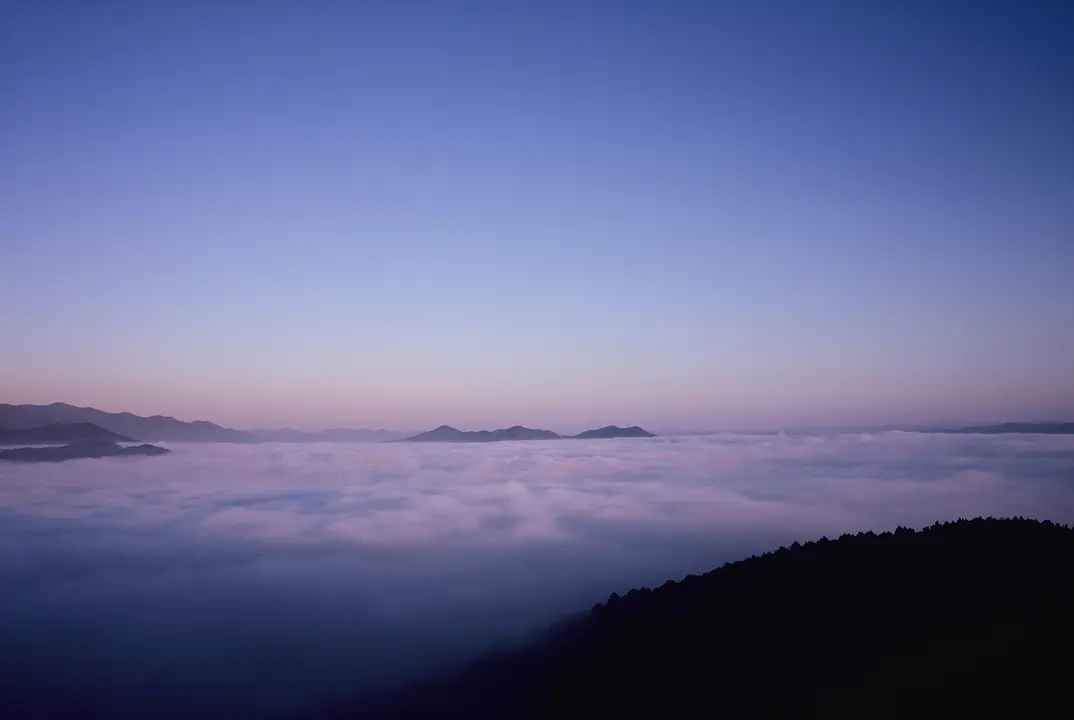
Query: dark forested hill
[82, 450]
[956, 619]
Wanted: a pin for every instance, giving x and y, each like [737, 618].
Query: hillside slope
[958, 618]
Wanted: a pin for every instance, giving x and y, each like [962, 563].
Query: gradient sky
[675, 214]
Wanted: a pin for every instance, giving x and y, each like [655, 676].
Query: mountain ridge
[1030, 428]
[57, 433]
[154, 428]
[83, 450]
[339, 435]
[449, 434]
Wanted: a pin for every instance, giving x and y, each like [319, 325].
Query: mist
[275, 579]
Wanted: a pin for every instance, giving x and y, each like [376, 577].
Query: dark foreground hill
[78, 451]
[446, 433]
[59, 433]
[157, 428]
[955, 620]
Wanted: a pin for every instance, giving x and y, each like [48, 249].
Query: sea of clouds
[227, 580]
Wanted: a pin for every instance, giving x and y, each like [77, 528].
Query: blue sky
[681, 215]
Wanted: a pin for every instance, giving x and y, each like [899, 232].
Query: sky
[140, 586]
[683, 215]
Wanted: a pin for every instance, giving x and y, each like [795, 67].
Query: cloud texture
[225, 579]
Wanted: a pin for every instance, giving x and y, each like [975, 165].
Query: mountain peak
[614, 431]
[446, 433]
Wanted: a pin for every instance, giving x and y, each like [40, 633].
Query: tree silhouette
[961, 617]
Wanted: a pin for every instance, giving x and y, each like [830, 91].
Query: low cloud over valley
[225, 579]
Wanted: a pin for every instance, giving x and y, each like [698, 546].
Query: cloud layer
[273, 577]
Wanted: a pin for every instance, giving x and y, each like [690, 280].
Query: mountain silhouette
[1035, 428]
[957, 620]
[340, 435]
[613, 431]
[59, 433]
[79, 450]
[446, 433]
[158, 428]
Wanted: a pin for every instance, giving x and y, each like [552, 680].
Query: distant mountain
[338, 435]
[446, 433]
[1036, 428]
[613, 431]
[58, 434]
[79, 450]
[157, 428]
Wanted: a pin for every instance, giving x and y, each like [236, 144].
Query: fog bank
[228, 579]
